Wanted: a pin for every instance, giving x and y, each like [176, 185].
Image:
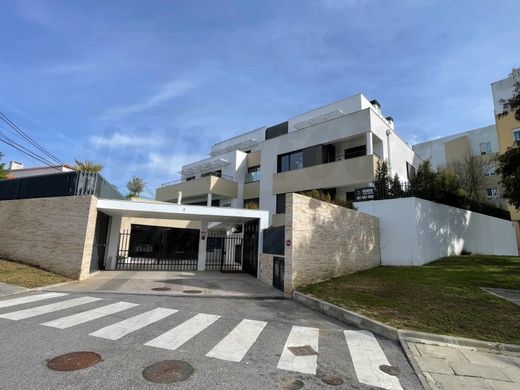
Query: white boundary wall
[414, 231]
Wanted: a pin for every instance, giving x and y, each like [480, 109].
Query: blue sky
[145, 86]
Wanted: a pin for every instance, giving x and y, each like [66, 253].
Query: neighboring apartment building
[481, 142]
[508, 128]
[16, 170]
[334, 148]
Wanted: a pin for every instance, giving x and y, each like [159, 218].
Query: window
[253, 204]
[492, 193]
[290, 161]
[485, 148]
[516, 135]
[190, 178]
[410, 171]
[214, 173]
[280, 204]
[490, 170]
[253, 174]
[357, 151]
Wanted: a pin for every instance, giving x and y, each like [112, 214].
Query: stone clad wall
[53, 233]
[326, 241]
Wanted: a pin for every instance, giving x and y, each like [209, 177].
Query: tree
[88, 166]
[382, 179]
[423, 184]
[509, 169]
[3, 171]
[512, 104]
[135, 186]
[396, 188]
[447, 180]
[471, 174]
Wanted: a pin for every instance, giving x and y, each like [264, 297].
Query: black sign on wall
[274, 238]
[363, 194]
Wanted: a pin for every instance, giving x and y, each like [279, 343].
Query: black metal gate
[97, 261]
[251, 235]
[278, 272]
[224, 252]
[153, 248]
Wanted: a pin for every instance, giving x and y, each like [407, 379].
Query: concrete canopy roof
[157, 210]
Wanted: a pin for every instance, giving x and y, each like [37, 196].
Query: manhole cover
[332, 380]
[390, 370]
[304, 350]
[74, 361]
[291, 384]
[192, 291]
[168, 371]
[161, 289]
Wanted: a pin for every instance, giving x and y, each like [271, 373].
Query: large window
[290, 161]
[253, 174]
[485, 148]
[356, 151]
[253, 204]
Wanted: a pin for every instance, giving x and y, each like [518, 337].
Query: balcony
[214, 184]
[352, 171]
[252, 177]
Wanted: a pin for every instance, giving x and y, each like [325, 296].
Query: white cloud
[120, 139]
[167, 92]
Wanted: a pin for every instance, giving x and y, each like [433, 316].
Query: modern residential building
[482, 142]
[508, 128]
[334, 149]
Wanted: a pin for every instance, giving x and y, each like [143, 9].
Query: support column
[113, 242]
[203, 240]
[370, 144]
[388, 147]
[210, 198]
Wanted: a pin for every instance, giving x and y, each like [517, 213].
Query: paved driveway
[231, 343]
[208, 284]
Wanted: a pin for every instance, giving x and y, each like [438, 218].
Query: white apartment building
[477, 142]
[334, 148]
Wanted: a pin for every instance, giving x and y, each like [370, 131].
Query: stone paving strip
[453, 367]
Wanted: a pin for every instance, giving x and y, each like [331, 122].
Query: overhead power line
[29, 154]
[29, 139]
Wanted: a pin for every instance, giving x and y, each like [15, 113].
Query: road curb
[403, 336]
[33, 289]
[347, 316]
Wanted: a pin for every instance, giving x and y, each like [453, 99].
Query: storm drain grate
[390, 370]
[168, 371]
[192, 291]
[74, 361]
[304, 350]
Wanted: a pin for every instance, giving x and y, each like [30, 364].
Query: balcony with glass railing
[252, 177]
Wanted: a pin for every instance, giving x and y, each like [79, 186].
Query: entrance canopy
[158, 210]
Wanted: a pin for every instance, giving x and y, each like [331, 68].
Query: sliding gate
[153, 248]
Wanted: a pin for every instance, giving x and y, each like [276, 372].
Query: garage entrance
[154, 248]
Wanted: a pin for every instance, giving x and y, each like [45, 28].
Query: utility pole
[1, 155]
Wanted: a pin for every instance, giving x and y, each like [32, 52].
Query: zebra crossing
[299, 354]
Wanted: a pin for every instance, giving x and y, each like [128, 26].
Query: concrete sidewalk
[454, 367]
[176, 283]
[8, 289]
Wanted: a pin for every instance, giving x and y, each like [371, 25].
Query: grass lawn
[24, 275]
[441, 297]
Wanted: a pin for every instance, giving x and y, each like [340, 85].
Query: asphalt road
[26, 346]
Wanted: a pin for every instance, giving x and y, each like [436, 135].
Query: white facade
[435, 150]
[504, 89]
[416, 231]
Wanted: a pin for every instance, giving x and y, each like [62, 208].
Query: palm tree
[3, 172]
[88, 166]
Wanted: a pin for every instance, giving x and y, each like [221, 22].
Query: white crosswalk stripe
[235, 345]
[367, 356]
[300, 336]
[90, 315]
[123, 328]
[29, 299]
[179, 335]
[39, 310]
